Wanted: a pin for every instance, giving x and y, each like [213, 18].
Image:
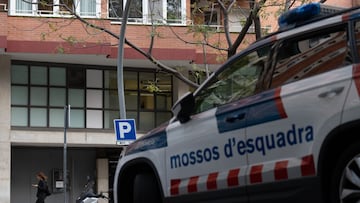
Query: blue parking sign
[125, 130]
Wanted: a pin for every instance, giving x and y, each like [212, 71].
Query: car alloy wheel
[349, 187]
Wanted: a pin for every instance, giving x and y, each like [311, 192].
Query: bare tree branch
[147, 55]
[256, 19]
[162, 66]
[226, 20]
[254, 12]
[196, 43]
[225, 7]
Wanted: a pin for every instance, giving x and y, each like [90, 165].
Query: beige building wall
[103, 178]
[5, 146]
[16, 137]
[340, 3]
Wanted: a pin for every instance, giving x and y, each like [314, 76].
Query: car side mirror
[183, 108]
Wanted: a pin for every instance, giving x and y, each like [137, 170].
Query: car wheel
[345, 184]
[146, 189]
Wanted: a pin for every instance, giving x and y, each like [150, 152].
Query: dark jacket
[42, 189]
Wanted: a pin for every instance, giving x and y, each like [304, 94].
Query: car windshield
[237, 80]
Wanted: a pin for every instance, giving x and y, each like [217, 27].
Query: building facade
[49, 59]
[51, 56]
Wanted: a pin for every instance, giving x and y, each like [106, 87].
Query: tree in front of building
[203, 13]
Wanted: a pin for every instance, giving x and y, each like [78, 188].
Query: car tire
[345, 180]
[146, 189]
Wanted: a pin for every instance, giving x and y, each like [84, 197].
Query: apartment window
[22, 7]
[88, 8]
[209, 14]
[115, 8]
[45, 6]
[211, 18]
[151, 11]
[206, 13]
[57, 8]
[136, 9]
[155, 11]
[40, 92]
[174, 11]
[237, 19]
[66, 5]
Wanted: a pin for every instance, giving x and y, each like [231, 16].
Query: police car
[278, 122]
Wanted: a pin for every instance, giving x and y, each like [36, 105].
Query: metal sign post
[120, 60]
[66, 125]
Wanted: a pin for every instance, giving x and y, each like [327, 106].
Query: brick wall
[58, 30]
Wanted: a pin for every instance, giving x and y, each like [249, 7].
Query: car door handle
[232, 119]
[331, 93]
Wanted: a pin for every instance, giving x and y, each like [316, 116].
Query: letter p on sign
[125, 130]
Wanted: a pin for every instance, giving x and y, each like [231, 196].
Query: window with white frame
[207, 13]
[155, 11]
[45, 6]
[212, 18]
[150, 11]
[174, 11]
[89, 8]
[115, 8]
[21, 7]
[237, 18]
[84, 8]
[136, 11]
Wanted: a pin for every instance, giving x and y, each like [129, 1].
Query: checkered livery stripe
[256, 174]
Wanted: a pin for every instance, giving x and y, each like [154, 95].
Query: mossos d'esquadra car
[278, 122]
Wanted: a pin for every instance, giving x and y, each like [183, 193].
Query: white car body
[275, 144]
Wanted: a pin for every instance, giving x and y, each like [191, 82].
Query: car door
[308, 88]
[202, 155]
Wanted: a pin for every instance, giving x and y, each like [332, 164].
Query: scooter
[88, 195]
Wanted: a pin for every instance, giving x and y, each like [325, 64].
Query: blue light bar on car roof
[299, 14]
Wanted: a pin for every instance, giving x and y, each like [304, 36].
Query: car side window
[237, 80]
[308, 55]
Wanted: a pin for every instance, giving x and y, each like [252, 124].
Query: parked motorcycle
[88, 195]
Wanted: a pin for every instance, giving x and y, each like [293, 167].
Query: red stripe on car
[192, 186]
[174, 188]
[211, 181]
[233, 177]
[280, 172]
[307, 166]
[256, 174]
